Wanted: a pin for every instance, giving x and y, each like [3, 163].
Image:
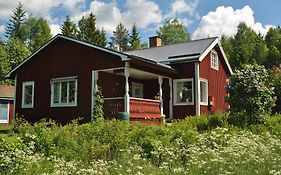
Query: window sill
[183, 104]
[217, 69]
[4, 121]
[63, 105]
[203, 104]
[26, 107]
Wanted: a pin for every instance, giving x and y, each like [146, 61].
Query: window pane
[3, 110]
[64, 92]
[56, 92]
[184, 92]
[203, 91]
[71, 98]
[28, 94]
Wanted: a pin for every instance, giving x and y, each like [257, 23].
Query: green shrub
[275, 79]
[250, 95]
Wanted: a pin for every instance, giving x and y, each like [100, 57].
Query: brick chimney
[155, 41]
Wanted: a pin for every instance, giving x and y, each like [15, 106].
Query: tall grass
[197, 145]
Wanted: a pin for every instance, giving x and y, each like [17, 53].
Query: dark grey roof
[189, 50]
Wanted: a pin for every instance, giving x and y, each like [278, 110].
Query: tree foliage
[14, 28]
[135, 42]
[37, 32]
[173, 32]
[4, 66]
[16, 52]
[250, 95]
[120, 38]
[69, 28]
[89, 32]
[98, 107]
[275, 79]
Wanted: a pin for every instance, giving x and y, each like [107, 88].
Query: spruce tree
[120, 38]
[15, 25]
[89, 32]
[69, 28]
[134, 40]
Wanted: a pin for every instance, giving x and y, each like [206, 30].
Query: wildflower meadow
[196, 145]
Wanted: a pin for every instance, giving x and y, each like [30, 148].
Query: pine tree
[173, 32]
[134, 40]
[14, 27]
[120, 38]
[69, 28]
[89, 32]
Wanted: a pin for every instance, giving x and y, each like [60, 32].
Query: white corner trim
[209, 48]
[27, 83]
[197, 88]
[225, 59]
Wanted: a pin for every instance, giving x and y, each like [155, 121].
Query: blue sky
[203, 18]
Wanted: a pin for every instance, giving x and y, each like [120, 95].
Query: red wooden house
[6, 105]
[58, 80]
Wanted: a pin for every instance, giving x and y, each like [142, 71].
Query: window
[183, 92]
[203, 92]
[4, 111]
[27, 94]
[64, 91]
[214, 60]
[137, 90]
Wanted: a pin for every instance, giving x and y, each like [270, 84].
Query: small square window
[183, 92]
[27, 94]
[214, 60]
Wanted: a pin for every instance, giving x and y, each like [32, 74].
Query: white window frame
[137, 85]
[206, 92]
[8, 112]
[24, 84]
[175, 86]
[214, 60]
[63, 79]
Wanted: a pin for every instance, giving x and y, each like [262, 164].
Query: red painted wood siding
[216, 83]
[186, 70]
[62, 58]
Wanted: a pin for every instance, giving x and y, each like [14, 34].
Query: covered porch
[145, 95]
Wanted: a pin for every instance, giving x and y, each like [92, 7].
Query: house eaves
[124, 57]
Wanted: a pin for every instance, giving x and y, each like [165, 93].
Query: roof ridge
[169, 45]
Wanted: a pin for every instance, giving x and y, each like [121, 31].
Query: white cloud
[108, 15]
[36, 7]
[224, 21]
[184, 6]
[55, 29]
[2, 29]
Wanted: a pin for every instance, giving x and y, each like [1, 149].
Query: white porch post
[95, 76]
[171, 98]
[197, 88]
[160, 81]
[127, 96]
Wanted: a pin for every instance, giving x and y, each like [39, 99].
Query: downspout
[197, 88]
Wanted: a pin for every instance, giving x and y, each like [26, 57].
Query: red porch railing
[141, 110]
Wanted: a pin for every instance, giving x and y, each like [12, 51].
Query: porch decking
[141, 110]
